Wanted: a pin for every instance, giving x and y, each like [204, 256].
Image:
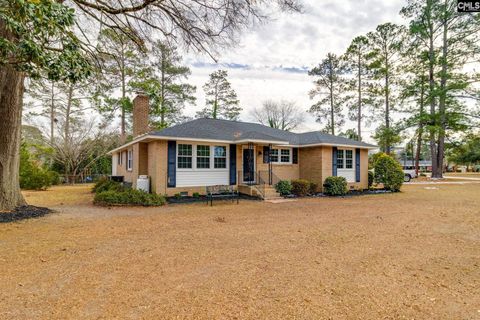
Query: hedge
[388, 172]
[129, 197]
[335, 186]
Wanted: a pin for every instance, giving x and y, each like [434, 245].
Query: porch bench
[221, 192]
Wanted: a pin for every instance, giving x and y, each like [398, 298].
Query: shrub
[129, 196]
[313, 188]
[105, 184]
[35, 178]
[388, 172]
[196, 195]
[300, 187]
[371, 177]
[335, 186]
[284, 187]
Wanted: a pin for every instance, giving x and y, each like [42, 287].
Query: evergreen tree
[221, 99]
[329, 85]
[449, 41]
[384, 58]
[359, 86]
[121, 63]
[163, 82]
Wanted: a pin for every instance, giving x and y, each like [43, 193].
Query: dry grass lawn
[413, 255]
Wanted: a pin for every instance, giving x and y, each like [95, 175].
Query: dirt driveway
[413, 255]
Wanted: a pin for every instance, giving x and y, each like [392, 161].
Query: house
[202, 152]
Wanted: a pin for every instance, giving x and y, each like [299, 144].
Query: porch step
[269, 192]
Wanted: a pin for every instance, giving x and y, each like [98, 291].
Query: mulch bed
[23, 212]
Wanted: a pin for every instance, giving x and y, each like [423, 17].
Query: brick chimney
[140, 114]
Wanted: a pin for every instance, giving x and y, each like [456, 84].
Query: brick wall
[140, 115]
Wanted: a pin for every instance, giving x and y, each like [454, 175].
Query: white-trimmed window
[274, 155]
[184, 157]
[285, 155]
[220, 157]
[344, 159]
[203, 157]
[129, 160]
[281, 156]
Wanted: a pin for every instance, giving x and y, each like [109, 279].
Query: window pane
[220, 157]
[185, 162]
[184, 149]
[203, 162]
[348, 159]
[220, 151]
[285, 155]
[203, 151]
[220, 163]
[274, 155]
[340, 159]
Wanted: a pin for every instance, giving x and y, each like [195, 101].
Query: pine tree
[384, 57]
[221, 99]
[359, 86]
[121, 63]
[449, 41]
[329, 85]
[163, 82]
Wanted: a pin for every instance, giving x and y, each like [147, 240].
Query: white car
[409, 173]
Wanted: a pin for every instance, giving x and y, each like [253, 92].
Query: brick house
[202, 152]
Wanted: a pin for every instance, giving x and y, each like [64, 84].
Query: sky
[271, 60]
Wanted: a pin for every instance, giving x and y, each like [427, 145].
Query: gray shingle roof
[226, 130]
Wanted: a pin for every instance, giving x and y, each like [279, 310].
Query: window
[345, 159]
[184, 158]
[203, 157]
[340, 159]
[274, 155]
[285, 155]
[129, 160]
[348, 159]
[119, 158]
[220, 157]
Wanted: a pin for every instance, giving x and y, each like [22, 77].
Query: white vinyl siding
[346, 164]
[209, 165]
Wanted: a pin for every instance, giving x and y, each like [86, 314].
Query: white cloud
[297, 41]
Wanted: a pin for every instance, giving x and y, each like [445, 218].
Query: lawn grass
[410, 255]
[55, 196]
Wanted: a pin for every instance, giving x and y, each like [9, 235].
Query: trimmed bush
[300, 187]
[312, 188]
[284, 187]
[196, 195]
[388, 172]
[335, 186]
[35, 178]
[129, 197]
[371, 177]
[106, 184]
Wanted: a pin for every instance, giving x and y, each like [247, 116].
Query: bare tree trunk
[359, 115]
[52, 114]
[438, 173]
[420, 127]
[431, 80]
[123, 129]
[11, 101]
[387, 108]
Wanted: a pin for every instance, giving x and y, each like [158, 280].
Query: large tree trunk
[420, 126]
[11, 95]
[11, 101]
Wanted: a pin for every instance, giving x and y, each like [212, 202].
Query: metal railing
[258, 180]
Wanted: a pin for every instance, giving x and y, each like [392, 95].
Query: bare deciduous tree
[283, 115]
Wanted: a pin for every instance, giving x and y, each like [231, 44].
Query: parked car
[409, 173]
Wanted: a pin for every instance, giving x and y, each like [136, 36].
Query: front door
[248, 165]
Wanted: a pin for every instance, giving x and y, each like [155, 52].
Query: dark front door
[248, 165]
